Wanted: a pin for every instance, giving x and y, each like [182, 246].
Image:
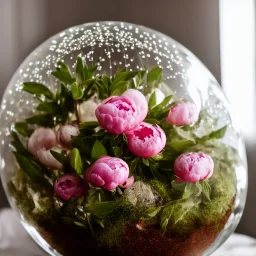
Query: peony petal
[129, 182]
[46, 158]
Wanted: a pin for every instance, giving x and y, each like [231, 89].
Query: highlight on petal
[140, 101]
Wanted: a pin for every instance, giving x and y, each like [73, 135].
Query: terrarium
[117, 140]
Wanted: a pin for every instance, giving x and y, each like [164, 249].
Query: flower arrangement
[114, 161]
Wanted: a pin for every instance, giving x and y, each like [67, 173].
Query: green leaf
[99, 221]
[89, 92]
[154, 77]
[80, 70]
[185, 135]
[22, 128]
[165, 217]
[179, 186]
[123, 76]
[76, 91]
[117, 151]
[62, 66]
[48, 107]
[218, 134]
[152, 100]
[138, 79]
[119, 88]
[37, 89]
[151, 121]
[187, 188]
[161, 106]
[16, 143]
[88, 125]
[63, 73]
[145, 161]
[66, 103]
[174, 213]
[98, 151]
[206, 189]
[133, 164]
[80, 224]
[59, 157]
[45, 120]
[88, 72]
[152, 212]
[63, 76]
[181, 145]
[30, 168]
[100, 209]
[76, 161]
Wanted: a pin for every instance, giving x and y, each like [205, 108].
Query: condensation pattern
[112, 46]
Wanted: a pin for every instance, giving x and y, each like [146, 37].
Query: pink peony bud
[140, 101]
[183, 113]
[46, 158]
[117, 114]
[69, 185]
[146, 141]
[65, 133]
[108, 172]
[41, 138]
[193, 167]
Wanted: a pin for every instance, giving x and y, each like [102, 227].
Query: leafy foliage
[76, 161]
[177, 203]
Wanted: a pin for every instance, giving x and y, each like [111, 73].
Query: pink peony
[183, 113]
[65, 133]
[41, 138]
[108, 172]
[68, 186]
[46, 158]
[193, 167]
[140, 101]
[147, 140]
[40, 143]
[117, 114]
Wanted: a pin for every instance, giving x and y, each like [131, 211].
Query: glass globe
[190, 228]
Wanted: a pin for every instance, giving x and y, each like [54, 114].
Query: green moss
[223, 190]
[32, 199]
[117, 223]
[163, 190]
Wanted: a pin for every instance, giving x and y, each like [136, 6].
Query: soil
[138, 241]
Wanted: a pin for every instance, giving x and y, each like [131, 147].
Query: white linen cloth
[14, 240]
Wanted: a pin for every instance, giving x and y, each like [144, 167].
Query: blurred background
[220, 33]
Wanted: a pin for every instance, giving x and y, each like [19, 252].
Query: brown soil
[71, 241]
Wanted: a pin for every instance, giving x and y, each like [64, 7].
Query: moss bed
[127, 231]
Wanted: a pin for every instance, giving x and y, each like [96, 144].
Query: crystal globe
[116, 139]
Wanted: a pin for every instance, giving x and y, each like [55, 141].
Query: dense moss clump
[117, 222]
